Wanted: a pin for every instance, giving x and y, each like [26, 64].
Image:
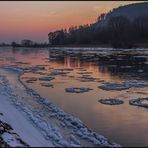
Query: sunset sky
[35, 19]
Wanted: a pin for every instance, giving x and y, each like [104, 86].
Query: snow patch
[12, 140]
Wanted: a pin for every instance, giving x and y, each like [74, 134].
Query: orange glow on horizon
[34, 20]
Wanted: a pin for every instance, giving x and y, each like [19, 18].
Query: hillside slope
[131, 11]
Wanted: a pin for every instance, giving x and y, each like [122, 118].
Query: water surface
[124, 124]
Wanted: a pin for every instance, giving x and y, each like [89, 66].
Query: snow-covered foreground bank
[30, 126]
[11, 115]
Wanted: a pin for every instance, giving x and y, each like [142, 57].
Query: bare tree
[120, 27]
[140, 25]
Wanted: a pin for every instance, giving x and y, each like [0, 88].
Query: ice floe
[124, 85]
[77, 90]
[20, 70]
[139, 102]
[40, 73]
[46, 78]
[31, 80]
[38, 67]
[114, 86]
[24, 69]
[86, 79]
[81, 48]
[58, 72]
[85, 72]
[64, 69]
[146, 63]
[47, 85]
[111, 101]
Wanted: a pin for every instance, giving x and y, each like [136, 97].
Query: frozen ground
[17, 120]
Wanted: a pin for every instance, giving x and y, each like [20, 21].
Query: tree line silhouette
[29, 43]
[119, 31]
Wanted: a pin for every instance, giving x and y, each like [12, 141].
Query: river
[124, 124]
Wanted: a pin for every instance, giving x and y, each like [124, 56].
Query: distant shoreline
[138, 45]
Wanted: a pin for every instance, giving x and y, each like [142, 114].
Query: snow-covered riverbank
[33, 129]
[11, 115]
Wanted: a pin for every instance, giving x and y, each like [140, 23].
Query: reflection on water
[124, 124]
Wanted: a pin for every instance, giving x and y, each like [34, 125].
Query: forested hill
[123, 27]
[131, 11]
